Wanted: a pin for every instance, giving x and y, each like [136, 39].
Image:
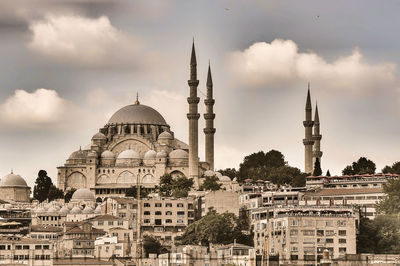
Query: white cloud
[40, 107]
[280, 62]
[80, 40]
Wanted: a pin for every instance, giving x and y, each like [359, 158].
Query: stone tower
[308, 141]
[193, 117]
[209, 116]
[317, 137]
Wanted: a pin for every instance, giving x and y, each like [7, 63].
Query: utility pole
[138, 224]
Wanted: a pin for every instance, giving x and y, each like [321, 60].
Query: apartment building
[300, 234]
[221, 201]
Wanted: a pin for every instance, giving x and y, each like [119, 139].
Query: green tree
[55, 193]
[165, 188]
[362, 166]
[151, 245]
[132, 192]
[328, 173]
[211, 183]
[287, 175]
[178, 188]
[215, 228]
[391, 203]
[394, 169]
[42, 186]
[231, 172]
[317, 168]
[68, 195]
[366, 238]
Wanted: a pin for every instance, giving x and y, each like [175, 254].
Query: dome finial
[137, 98]
[12, 172]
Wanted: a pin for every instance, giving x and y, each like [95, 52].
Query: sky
[66, 66]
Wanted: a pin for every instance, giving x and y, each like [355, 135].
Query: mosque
[138, 146]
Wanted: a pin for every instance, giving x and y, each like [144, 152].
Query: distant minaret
[209, 116]
[317, 137]
[193, 117]
[308, 140]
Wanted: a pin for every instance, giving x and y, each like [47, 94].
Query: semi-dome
[165, 136]
[40, 210]
[107, 155]
[129, 154]
[98, 209]
[161, 154]
[150, 155]
[99, 135]
[209, 173]
[137, 114]
[83, 194]
[224, 178]
[13, 180]
[76, 210]
[52, 209]
[178, 154]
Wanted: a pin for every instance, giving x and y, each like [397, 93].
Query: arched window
[168, 221]
[76, 180]
[148, 179]
[158, 213]
[168, 213]
[126, 177]
[103, 179]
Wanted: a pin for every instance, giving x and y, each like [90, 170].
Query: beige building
[13, 188]
[301, 234]
[20, 250]
[221, 201]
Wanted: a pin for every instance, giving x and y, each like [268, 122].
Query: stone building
[13, 188]
[138, 146]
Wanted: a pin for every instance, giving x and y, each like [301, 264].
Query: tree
[178, 188]
[361, 167]
[287, 175]
[328, 173]
[391, 203]
[68, 195]
[132, 192]
[42, 186]
[151, 245]
[394, 169]
[55, 193]
[211, 183]
[317, 168]
[215, 228]
[231, 172]
[366, 238]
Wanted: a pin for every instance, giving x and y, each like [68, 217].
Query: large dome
[13, 180]
[83, 194]
[137, 114]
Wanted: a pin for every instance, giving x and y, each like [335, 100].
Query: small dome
[178, 154]
[83, 194]
[13, 180]
[218, 174]
[52, 209]
[98, 209]
[79, 154]
[150, 155]
[40, 210]
[129, 154]
[107, 155]
[161, 154]
[99, 135]
[165, 136]
[209, 173]
[224, 178]
[88, 210]
[64, 210]
[76, 210]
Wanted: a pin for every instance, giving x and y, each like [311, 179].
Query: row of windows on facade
[349, 198]
[295, 232]
[168, 205]
[18, 247]
[307, 223]
[41, 236]
[110, 223]
[159, 221]
[26, 257]
[179, 213]
[144, 170]
[310, 257]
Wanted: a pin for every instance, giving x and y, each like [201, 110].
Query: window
[126, 235]
[294, 223]
[158, 205]
[146, 204]
[342, 223]
[158, 213]
[26, 247]
[118, 248]
[342, 240]
[168, 221]
[110, 222]
[180, 221]
[181, 213]
[2, 247]
[18, 247]
[342, 250]
[329, 240]
[168, 204]
[168, 213]
[329, 223]
[308, 232]
[157, 221]
[122, 215]
[115, 234]
[38, 246]
[294, 257]
[146, 221]
[342, 232]
[179, 205]
[294, 232]
[320, 232]
[190, 206]
[46, 247]
[100, 223]
[146, 213]
[329, 232]
[294, 249]
[120, 223]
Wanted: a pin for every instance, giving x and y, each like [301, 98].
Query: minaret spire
[193, 117]
[317, 153]
[308, 140]
[209, 116]
[137, 98]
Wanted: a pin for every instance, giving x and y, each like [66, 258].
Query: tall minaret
[193, 117]
[317, 137]
[209, 116]
[308, 140]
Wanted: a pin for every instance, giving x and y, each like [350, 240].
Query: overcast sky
[67, 66]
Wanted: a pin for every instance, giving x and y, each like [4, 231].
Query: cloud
[83, 41]
[41, 107]
[281, 63]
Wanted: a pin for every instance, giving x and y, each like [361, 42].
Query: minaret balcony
[316, 137]
[317, 154]
[308, 142]
[193, 116]
[209, 116]
[193, 100]
[193, 82]
[209, 130]
[209, 101]
[308, 123]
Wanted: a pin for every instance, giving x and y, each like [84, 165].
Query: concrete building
[301, 234]
[137, 146]
[236, 254]
[221, 201]
[13, 188]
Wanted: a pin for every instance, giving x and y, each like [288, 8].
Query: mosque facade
[138, 146]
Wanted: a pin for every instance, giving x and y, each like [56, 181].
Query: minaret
[209, 116]
[193, 117]
[308, 141]
[317, 137]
